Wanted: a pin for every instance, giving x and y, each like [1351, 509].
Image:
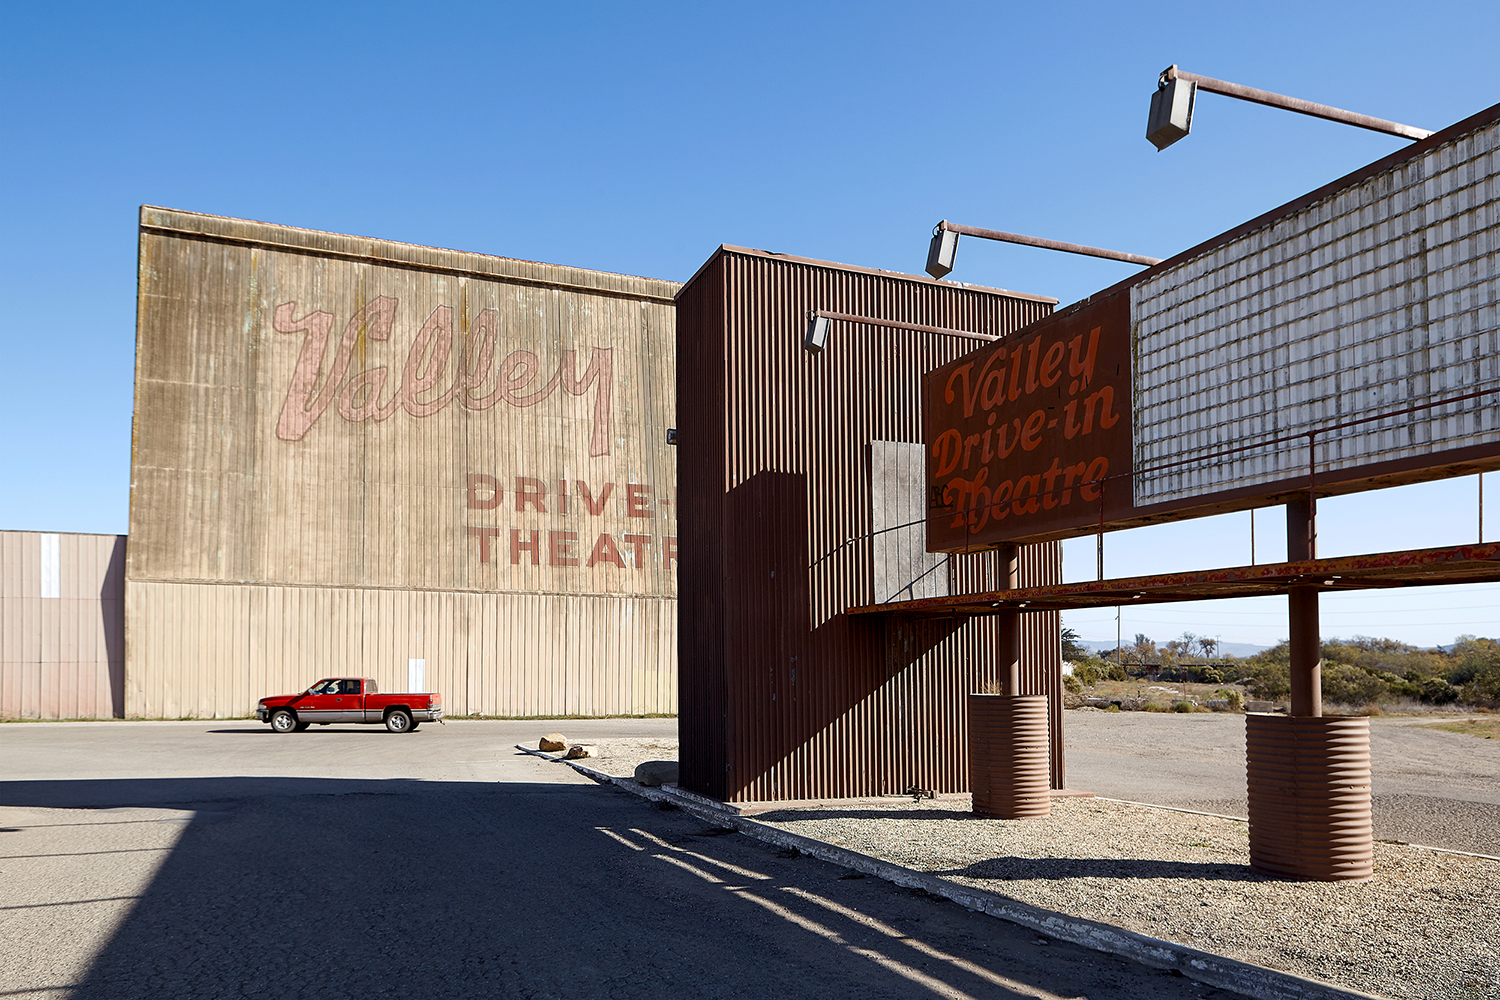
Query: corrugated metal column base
[1309, 790]
[1008, 758]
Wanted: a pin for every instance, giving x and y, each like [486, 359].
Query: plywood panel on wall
[375, 422]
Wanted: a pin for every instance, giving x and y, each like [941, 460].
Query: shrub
[1111, 707]
[1233, 696]
[1087, 673]
[1071, 682]
[1270, 681]
[1477, 672]
[1436, 691]
[1350, 685]
[1184, 706]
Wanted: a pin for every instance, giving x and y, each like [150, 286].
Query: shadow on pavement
[1110, 868]
[344, 888]
[860, 812]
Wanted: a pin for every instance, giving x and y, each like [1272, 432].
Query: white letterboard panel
[1379, 297]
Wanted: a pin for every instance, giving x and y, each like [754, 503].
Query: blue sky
[636, 138]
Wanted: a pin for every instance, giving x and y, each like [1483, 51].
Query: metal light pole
[944, 247]
[1177, 92]
[1307, 775]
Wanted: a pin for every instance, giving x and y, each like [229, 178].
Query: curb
[1204, 967]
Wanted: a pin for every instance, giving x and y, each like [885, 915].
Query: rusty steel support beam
[1046, 244]
[899, 325]
[1296, 104]
[1305, 644]
[1008, 623]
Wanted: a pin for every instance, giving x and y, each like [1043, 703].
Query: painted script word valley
[442, 366]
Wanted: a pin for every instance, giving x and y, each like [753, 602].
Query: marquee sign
[1022, 436]
[1353, 335]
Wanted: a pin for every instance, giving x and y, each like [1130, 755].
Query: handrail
[1310, 436]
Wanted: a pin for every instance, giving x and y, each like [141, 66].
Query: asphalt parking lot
[219, 859]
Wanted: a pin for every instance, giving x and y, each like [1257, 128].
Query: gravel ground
[1427, 925]
[1428, 786]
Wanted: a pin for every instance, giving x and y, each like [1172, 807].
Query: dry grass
[1144, 696]
[1487, 729]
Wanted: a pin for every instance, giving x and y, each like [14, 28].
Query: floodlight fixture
[1171, 115]
[818, 327]
[942, 251]
[1171, 112]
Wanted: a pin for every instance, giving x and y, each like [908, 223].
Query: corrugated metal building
[789, 464]
[62, 625]
[444, 470]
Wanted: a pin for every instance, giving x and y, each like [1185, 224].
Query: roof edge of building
[156, 220]
[858, 269]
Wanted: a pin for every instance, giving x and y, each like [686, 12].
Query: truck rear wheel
[283, 721]
[398, 721]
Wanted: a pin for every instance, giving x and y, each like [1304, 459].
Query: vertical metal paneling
[267, 553]
[783, 695]
[266, 640]
[62, 633]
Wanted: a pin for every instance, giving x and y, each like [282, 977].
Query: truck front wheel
[398, 721]
[283, 721]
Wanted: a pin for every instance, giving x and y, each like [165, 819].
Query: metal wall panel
[424, 440]
[784, 696]
[237, 643]
[62, 625]
[1375, 296]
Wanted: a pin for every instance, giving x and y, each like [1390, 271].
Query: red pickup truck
[348, 699]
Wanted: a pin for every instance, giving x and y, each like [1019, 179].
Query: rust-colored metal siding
[352, 453]
[1308, 783]
[783, 696]
[62, 625]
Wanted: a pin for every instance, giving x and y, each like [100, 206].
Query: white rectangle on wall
[51, 566]
[1379, 297]
[416, 675]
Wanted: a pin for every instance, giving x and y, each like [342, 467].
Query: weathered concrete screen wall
[357, 456]
[62, 625]
[789, 462]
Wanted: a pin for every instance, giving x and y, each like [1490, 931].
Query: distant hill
[1225, 648]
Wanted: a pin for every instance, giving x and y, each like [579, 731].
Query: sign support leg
[1008, 624]
[1308, 776]
[1305, 644]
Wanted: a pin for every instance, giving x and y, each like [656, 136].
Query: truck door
[320, 703]
[349, 701]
